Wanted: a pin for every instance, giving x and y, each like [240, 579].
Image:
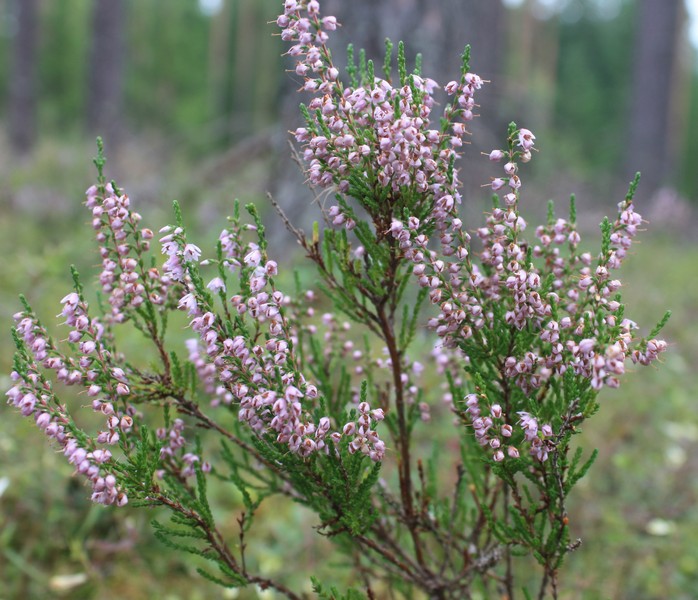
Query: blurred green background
[194, 102]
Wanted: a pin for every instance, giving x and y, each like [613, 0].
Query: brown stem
[404, 466]
[410, 572]
[265, 583]
[559, 515]
[509, 576]
[543, 585]
[217, 544]
[192, 409]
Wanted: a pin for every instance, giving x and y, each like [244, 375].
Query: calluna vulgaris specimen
[313, 408]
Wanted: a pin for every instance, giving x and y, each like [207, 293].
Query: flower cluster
[91, 362]
[172, 452]
[106, 384]
[264, 380]
[124, 278]
[493, 430]
[33, 395]
[490, 429]
[376, 131]
[508, 283]
[364, 438]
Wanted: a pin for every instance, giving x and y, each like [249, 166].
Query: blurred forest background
[194, 103]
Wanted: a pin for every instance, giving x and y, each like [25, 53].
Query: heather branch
[217, 544]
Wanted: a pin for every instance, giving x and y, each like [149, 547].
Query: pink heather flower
[587, 345]
[216, 284]
[254, 257]
[330, 23]
[526, 139]
[188, 301]
[101, 456]
[473, 80]
[496, 155]
[271, 268]
[43, 420]
[529, 424]
[71, 299]
[191, 253]
[378, 414]
[91, 193]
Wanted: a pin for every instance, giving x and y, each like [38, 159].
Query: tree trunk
[106, 70]
[22, 105]
[651, 100]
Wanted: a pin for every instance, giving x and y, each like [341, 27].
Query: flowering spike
[179, 220]
[25, 303]
[99, 161]
[418, 64]
[363, 71]
[387, 64]
[551, 213]
[465, 60]
[632, 188]
[606, 229]
[664, 320]
[351, 66]
[76, 280]
[262, 240]
[401, 63]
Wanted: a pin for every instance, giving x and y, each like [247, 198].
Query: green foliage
[333, 594]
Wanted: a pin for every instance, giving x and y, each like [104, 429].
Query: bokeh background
[194, 102]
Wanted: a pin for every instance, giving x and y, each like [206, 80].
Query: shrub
[527, 333]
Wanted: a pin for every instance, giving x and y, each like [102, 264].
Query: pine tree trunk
[22, 101]
[651, 100]
[106, 70]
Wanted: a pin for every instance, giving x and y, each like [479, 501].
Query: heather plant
[337, 409]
